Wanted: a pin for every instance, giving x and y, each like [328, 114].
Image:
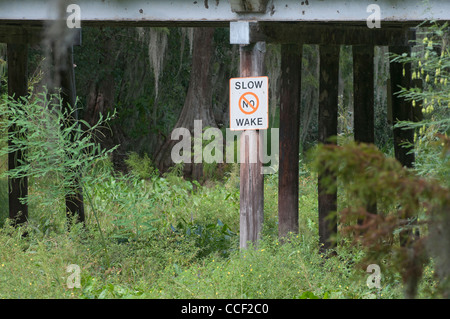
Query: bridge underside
[279, 21]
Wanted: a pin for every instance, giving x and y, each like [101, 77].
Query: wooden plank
[288, 179]
[251, 177]
[330, 34]
[29, 34]
[363, 113]
[21, 34]
[328, 111]
[17, 58]
[74, 199]
[273, 32]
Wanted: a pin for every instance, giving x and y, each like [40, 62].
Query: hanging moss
[157, 46]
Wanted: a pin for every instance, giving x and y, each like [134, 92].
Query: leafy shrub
[142, 167]
[402, 198]
[130, 203]
[57, 150]
[209, 238]
[430, 68]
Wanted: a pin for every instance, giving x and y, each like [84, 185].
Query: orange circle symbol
[248, 102]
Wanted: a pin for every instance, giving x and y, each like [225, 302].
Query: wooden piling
[363, 92]
[17, 56]
[328, 111]
[74, 198]
[288, 179]
[251, 177]
[403, 110]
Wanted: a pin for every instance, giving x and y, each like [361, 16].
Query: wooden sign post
[248, 113]
[251, 177]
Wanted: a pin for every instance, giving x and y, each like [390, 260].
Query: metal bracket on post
[240, 32]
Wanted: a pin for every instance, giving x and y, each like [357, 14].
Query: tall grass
[169, 261]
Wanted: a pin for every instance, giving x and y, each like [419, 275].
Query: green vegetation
[153, 235]
[165, 240]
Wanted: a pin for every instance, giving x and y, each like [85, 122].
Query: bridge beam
[202, 12]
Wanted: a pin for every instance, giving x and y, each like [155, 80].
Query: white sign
[249, 103]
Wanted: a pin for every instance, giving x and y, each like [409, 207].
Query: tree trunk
[101, 100]
[197, 105]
